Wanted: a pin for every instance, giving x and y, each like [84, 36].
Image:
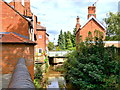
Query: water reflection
[54, 78]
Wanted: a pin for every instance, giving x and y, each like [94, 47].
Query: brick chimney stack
[91, 11]
[38, 22]
[77, 23]
[27, 7]
[16, 4]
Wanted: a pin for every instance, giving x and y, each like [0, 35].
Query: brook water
[54, 79]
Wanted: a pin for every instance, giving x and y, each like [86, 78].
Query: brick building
[19, 35]
[42, 39]
[14, 47]
[91, 25]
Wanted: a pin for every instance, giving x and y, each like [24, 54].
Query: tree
[61, 41]
[50, 46]
[66, 40]
[73, 37]
[69, 44]
[92, 66]
[65, 35]
[113, 26]
[58, 48]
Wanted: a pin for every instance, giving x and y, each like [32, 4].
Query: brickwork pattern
[11, 53]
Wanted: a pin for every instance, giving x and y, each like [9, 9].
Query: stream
[54, 79]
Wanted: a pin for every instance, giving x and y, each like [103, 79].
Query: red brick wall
[91, 11]
[27, 7]
[18, 6]
[47, 40]
[77, 38]
[41, 43]
[90, 26]
[12, 21]
[11, 54]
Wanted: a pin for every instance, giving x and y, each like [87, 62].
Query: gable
[93, 25]
[92, 18]
[13, 21]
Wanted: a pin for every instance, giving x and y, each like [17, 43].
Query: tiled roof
[14, 38]
[39, 27]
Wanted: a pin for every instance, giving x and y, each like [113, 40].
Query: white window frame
[40, 36]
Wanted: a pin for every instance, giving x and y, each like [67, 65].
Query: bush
[38, 76]
[60, 69]
[92, 67]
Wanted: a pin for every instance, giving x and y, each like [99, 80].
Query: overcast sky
[61, 14]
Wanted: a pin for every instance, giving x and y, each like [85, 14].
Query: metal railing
[21, 77]
[57, 53]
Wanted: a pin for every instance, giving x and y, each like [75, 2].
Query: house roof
[92, 17]
[47, 34]
[14, 38]
[39, 27]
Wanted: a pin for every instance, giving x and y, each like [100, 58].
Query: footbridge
[56, 57]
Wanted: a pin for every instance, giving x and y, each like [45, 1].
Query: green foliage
[58, 48]
[50, 46]
[66, 40]
[93, 66]
[65, 35]
[61, 41]
[73, 36]
[38, 73]
[60, 69]
[46, 64]
[37, 83]
[69, 44]
[38, 76]
[113, 26]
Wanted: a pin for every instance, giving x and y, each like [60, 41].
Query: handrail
[21, 77]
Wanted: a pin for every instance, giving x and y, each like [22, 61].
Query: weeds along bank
[39, 72]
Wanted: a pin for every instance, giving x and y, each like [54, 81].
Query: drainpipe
[21, 77]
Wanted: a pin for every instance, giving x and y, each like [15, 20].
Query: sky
[58, 15]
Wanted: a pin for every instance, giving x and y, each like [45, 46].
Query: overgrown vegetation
[92, 66]
[60, 69]
[46, 64]
[38, 80]
[38, 76]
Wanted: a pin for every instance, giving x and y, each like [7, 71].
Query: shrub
[92, 67]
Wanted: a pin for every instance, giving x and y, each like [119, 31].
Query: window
[40, 50]
[40, 36]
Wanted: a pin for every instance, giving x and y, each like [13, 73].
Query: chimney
[77, 23]
[38, 22]
[27, 7]
[16, 4]
[91, 11]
